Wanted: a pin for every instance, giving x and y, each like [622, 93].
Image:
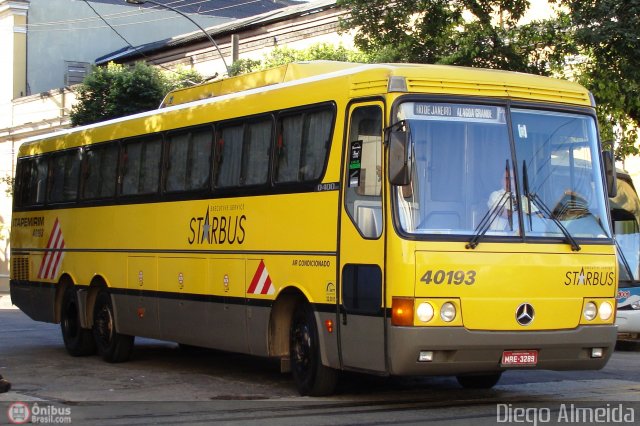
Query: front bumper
[459, 351]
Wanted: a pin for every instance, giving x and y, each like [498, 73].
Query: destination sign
[457, 111]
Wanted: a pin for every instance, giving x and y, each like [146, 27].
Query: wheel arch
[98, 282]
[63, 283]
[280, 320]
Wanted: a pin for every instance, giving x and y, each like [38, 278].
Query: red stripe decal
[267, 285]
[54, 256]
[256, 278]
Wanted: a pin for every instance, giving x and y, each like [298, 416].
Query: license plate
[519, 358]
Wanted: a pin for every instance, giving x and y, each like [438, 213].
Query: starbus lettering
[212, 229]
[589, 277]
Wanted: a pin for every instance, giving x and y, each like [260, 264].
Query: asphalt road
[163, 384]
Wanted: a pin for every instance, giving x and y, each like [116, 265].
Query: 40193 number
[441, 276]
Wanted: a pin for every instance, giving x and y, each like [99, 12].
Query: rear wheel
[77, 340]
[479, 381]
[309, 374]
[112, 346]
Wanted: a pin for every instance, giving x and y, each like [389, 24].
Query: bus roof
[359, 80]
[421, 78]
[281, 74]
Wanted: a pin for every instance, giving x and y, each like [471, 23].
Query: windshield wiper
[494, 212]
[488, 219]
[535, 199]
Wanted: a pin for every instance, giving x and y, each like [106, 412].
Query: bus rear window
[31, 182]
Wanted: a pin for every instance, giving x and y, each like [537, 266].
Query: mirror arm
[609, 162]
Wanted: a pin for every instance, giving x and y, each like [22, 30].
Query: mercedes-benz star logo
[525, 314]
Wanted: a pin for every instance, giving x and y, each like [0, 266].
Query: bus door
[361, 291]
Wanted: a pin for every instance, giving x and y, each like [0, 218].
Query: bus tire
[112, 346]
[77, 340]
[310, 376]
[479, 381]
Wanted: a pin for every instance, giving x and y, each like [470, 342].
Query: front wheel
[77, 340]
[309, 374]
[479, 381]
[112, 346]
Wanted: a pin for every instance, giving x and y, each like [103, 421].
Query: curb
[13, 396]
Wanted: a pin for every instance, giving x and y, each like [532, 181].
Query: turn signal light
[329, 325]
[402, 311]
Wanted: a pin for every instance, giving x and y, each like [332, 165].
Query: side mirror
[399, 155]
[610, 172]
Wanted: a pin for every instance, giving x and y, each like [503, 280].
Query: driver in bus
[504, 221]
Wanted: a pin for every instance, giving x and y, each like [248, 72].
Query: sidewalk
[5, 301]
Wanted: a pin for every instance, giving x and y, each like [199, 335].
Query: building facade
[296, 27]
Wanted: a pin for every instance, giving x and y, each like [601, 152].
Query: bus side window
[255, 167]
[38, 187]
[316, 137]
[303, 142]
[141, 173]
[289, 147]
[65, 176]
[189, 159]
[100, 171]
[364, 174]
[229, 156]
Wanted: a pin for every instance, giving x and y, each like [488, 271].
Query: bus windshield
[467, 179]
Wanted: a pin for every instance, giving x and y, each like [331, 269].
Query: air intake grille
[20, 268]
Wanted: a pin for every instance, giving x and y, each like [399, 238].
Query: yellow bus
[387, 219]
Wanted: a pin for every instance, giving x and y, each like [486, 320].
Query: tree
[243, 66]
[8, 180]
[481, 33]
[284, 55]
[116, 90]
[606, 31]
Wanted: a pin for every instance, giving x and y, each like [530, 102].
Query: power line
[136, 12]
[168, 18]
[230, 6]
[127, 41]
[109, 25]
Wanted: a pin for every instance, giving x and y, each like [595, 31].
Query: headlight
[425, 312]
[605, 311]
[448, 312]
[590, 311]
